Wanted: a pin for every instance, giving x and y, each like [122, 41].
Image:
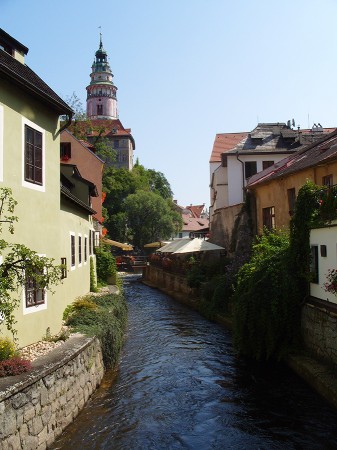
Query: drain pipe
[68, 122]
[243, 174]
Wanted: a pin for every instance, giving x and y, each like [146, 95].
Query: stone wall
[319, 329]
[37, 406]
[172, 284]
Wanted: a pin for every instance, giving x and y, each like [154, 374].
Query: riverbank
[319, 375]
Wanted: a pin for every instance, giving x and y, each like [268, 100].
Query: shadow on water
[180, 385]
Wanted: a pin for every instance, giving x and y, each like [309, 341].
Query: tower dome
[101, 92]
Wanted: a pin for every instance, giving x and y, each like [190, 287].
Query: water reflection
[181, 386]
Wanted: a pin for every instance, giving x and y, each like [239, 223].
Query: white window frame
[27, 184]
[72, 267]
[79, 235]
[36, 308]
[1, 143]
[85, 253]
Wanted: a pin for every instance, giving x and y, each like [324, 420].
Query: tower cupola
[101, 92]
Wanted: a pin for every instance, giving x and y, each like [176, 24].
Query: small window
[268, 217]
[85, 249]
[79, 249]
[323, 251]
[99, 110]
[33, 156]
[116, 143]
[314, 264]
[327, 180]
[64, 268]
[72, 250]
[65, 153]
[266, 164]
[96, 241]
[291, 200]
[34, 295]
[250, 168]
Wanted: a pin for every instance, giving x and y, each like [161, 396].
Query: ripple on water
[180, 385]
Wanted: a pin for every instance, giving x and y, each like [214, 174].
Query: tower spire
[101, 92]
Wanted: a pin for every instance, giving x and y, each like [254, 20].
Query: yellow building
[275, 189]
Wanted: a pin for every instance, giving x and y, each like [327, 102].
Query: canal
[180, 385]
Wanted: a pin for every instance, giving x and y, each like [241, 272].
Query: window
[327, 180]
[33, 156]
[96, 241]
[64, 268]
[79, 250]
[223, 160]
[116, 143]
[250, 169]
[72, 250]
[85, 249]
[291, 200]
[34, 295]
[314, 264]
[266, 164]
[1, 142]
[268, 217]
[65, 151]
[99, 110]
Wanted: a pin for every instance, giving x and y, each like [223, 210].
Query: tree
[19, 265]
[150, 217]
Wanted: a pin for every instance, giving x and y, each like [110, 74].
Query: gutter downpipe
[243, 174]
[68, 122]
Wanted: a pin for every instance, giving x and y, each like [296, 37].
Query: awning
[125, 247]
[197, 245]
[156, 244]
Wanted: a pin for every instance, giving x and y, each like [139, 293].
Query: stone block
[35, 426]
[8, 422]
[19, 400]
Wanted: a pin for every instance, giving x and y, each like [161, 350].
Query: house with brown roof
[253, 152]
[195, 221]
[82, 155]
[275, 190]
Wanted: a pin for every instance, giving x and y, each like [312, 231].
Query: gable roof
[194, 223]
[21, 75]
[86, 145]
[318, 152]
[224, 142]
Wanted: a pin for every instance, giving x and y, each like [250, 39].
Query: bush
[107, 320]
[14, 366]
[7, 349]
[105, 264]
[265, 312]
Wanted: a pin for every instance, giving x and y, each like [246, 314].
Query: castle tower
[101, 92]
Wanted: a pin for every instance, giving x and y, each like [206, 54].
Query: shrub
[7, 348]
[14, 366]
[107, 320]
[105, 264]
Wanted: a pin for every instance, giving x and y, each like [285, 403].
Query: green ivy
[105, 264]
[274, 284]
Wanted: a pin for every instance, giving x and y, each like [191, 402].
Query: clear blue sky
[188, 69]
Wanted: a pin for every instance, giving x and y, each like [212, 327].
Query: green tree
[19, 264]
[150, 217]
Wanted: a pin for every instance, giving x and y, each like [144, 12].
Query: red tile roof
[224, 142]
[194, 223]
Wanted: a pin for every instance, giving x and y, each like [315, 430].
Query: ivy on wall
[274, 284]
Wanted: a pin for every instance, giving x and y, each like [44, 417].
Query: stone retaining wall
[36, 407]
[172, 284]
[319, 329]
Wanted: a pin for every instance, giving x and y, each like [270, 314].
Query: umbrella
[156, 244]
[197, 245]
[126, 247]
[173, 245]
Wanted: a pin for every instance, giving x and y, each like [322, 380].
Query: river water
[180, 385]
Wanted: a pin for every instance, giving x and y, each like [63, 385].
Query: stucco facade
[46, 222]
[275, 192]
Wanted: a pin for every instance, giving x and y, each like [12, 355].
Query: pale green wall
[42, 226]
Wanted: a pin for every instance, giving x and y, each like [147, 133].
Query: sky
[188, 69]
